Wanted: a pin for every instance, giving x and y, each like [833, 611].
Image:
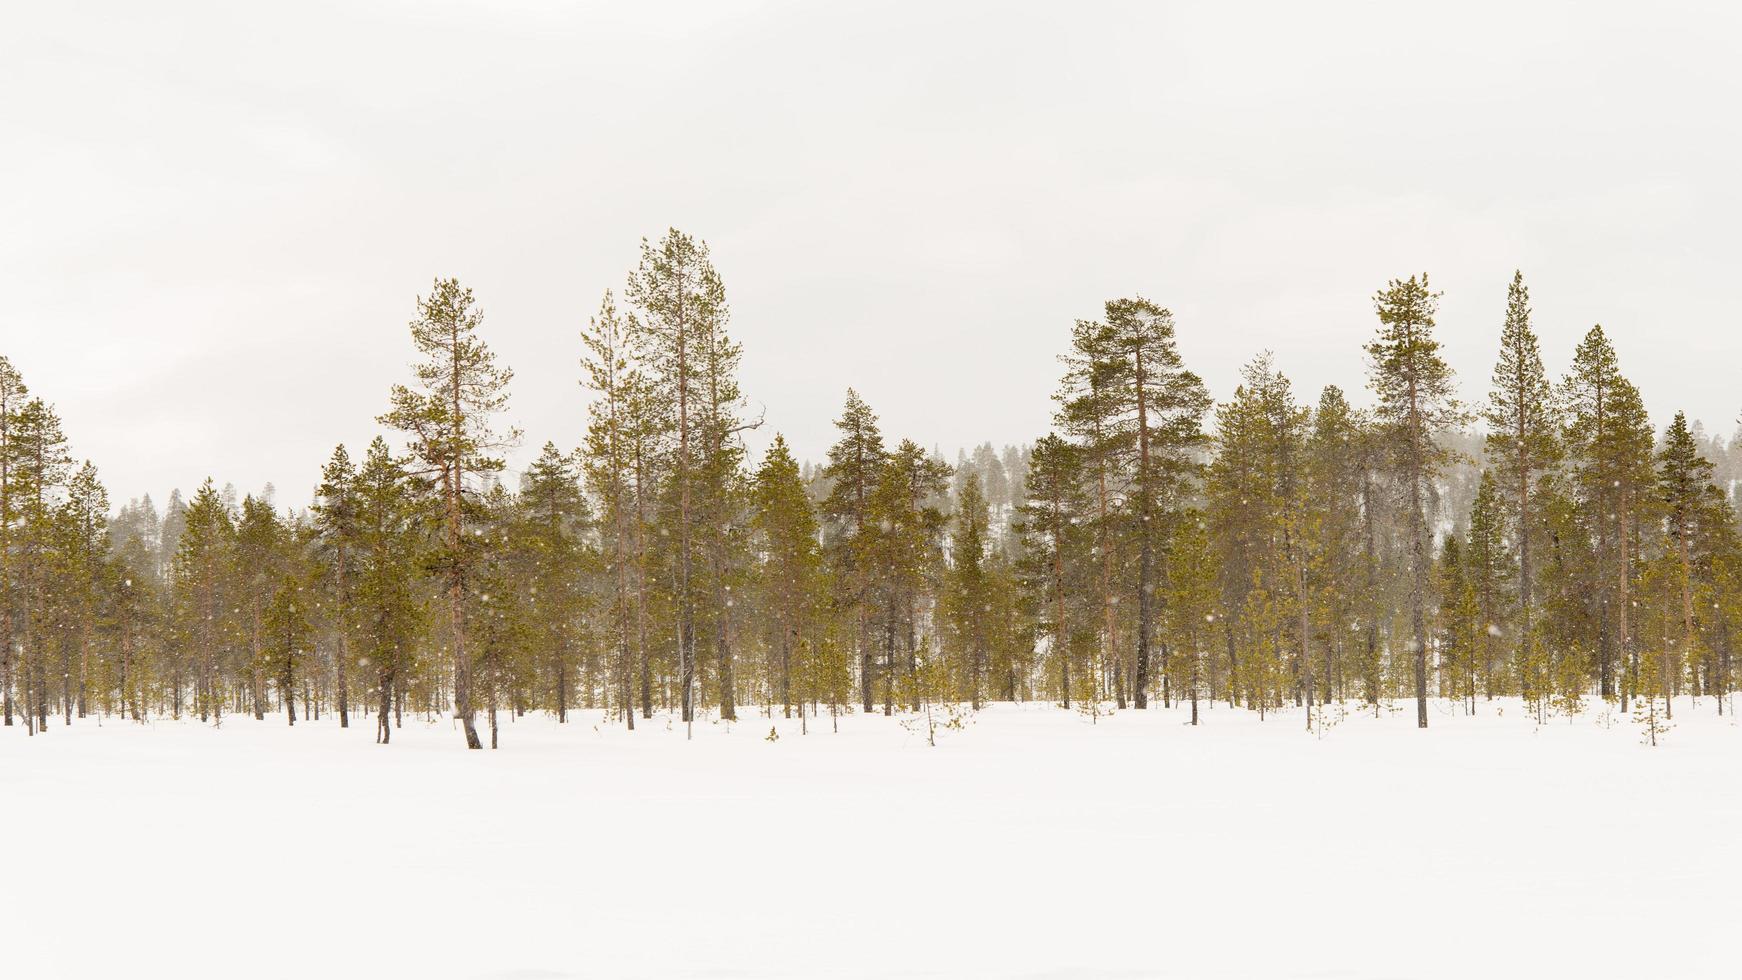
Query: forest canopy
[1430, 538]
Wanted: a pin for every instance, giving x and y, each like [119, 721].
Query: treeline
[1266, 551]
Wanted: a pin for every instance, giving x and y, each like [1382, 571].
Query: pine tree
[1089, 410]
[84, 546]
[677, 296]
[13, 397]
[724, 498]
[1523, 429]
[1162, 405]
[1631, 466]
[459, 387]
[615, 464]
[1608, 443]
[39, 468]
[1416, 403]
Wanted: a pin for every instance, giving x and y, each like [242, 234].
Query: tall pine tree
[447, 416]
[1416, 404]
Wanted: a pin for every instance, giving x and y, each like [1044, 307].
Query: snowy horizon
[949, 490]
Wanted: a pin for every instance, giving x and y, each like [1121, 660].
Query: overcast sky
[214, 217]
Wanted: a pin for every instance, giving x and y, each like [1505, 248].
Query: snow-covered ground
[1030, 844]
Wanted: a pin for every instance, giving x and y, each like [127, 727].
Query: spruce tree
[389, 596]
[1194, 596]
[132, 612]
[335, 516]
[1257, 493]
[553, 524]
[1334, 478]
[854, 469]
[790, 568]
[970, 592]
[256, 574]
[1488, 567]
[170, 531]
[1012, 629]
[1723, 541]
[201, 592]
[497, 619]
[1683, 476]
[1241, 507]
[1052, 513]
[288, 634]
[1460, 619]
[905, 539]
[1568, 622]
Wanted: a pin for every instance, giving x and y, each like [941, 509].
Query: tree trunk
[723, 656]
[1626, 603]
[1418, 556]
[384, 694]
[454, 479]
[786, 673]
[1146, 534]
[342, 668]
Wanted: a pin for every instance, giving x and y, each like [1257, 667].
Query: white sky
[214, 217]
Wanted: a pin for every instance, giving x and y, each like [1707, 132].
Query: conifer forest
[961, 490]
[1430, 539]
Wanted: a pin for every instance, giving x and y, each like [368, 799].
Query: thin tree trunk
[342, 667]
[1418, 556]
[1146, 534]
[1625, 605]
[1059, 632]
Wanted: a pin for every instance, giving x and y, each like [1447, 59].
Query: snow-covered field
[1030, 844]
